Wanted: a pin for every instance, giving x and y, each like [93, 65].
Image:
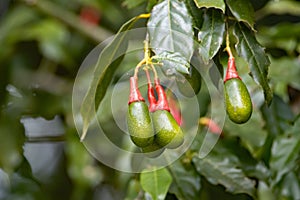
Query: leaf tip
[84, 132]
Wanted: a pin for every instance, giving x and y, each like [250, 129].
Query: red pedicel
[151, 95]
[174, 108]
[135, 94]
[151, 98]
[162, 102]
[231, 70]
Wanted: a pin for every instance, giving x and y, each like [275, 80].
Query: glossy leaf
[106, 66]
[186, 181]
[170, 29]
[290, 187]
[172, 63]
[219, 169]
[277, 118]
[233, 148]
[196, 13]
[253, 140]
[156, 182]
[242, 10]
[254, 54]
[219, 4]
[211, 34]
[285, 151]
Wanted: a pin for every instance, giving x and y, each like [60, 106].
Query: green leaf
[264, 191]
[285, 151]
[290, 187]
[253, 140]
[107, 64]
[172, 63]
[170, 29]
[196, 13]
[211, 34]
[186, 182]
[15, 21]
[156, 182]
[278, 117]
[277, 37]
[133, 189]
[242, 10]
[280, 8]
[219, 4]
[150, 5]
[52, 37]
[11, 143]
[133, 3]
[220, 169]
[250, 166]
[254, 54]
[285, 71]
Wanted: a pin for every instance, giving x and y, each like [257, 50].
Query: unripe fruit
[153, 150]
[168, 132]
[139, 124]
[138, 118]
[193, 79]
[237, 100]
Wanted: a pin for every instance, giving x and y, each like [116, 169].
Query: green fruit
[237, 100]
[153, 150]
[139, 124]
[191, 84]
[168, 132]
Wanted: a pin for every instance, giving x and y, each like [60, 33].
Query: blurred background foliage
[43, 44]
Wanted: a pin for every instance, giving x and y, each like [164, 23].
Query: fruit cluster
[152, 128]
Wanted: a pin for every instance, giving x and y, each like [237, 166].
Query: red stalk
[231, 70]
[135, 94]
[174, 108]
[151, 95]
[162, 102]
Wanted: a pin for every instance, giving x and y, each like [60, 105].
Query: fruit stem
[151, 96]
[228, 49]
[136, 70]
[154, 71]
[231, 68]
[162, 102]
[135, 94]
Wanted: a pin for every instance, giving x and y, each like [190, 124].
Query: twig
[97, 34]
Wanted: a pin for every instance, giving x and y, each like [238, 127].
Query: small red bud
[90, 15]
[212, 126]
[135, 94]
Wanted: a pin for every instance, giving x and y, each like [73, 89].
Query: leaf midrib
[252, 52]
[170, 20]
[216, 166]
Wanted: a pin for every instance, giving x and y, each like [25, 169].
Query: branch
[95, 33]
